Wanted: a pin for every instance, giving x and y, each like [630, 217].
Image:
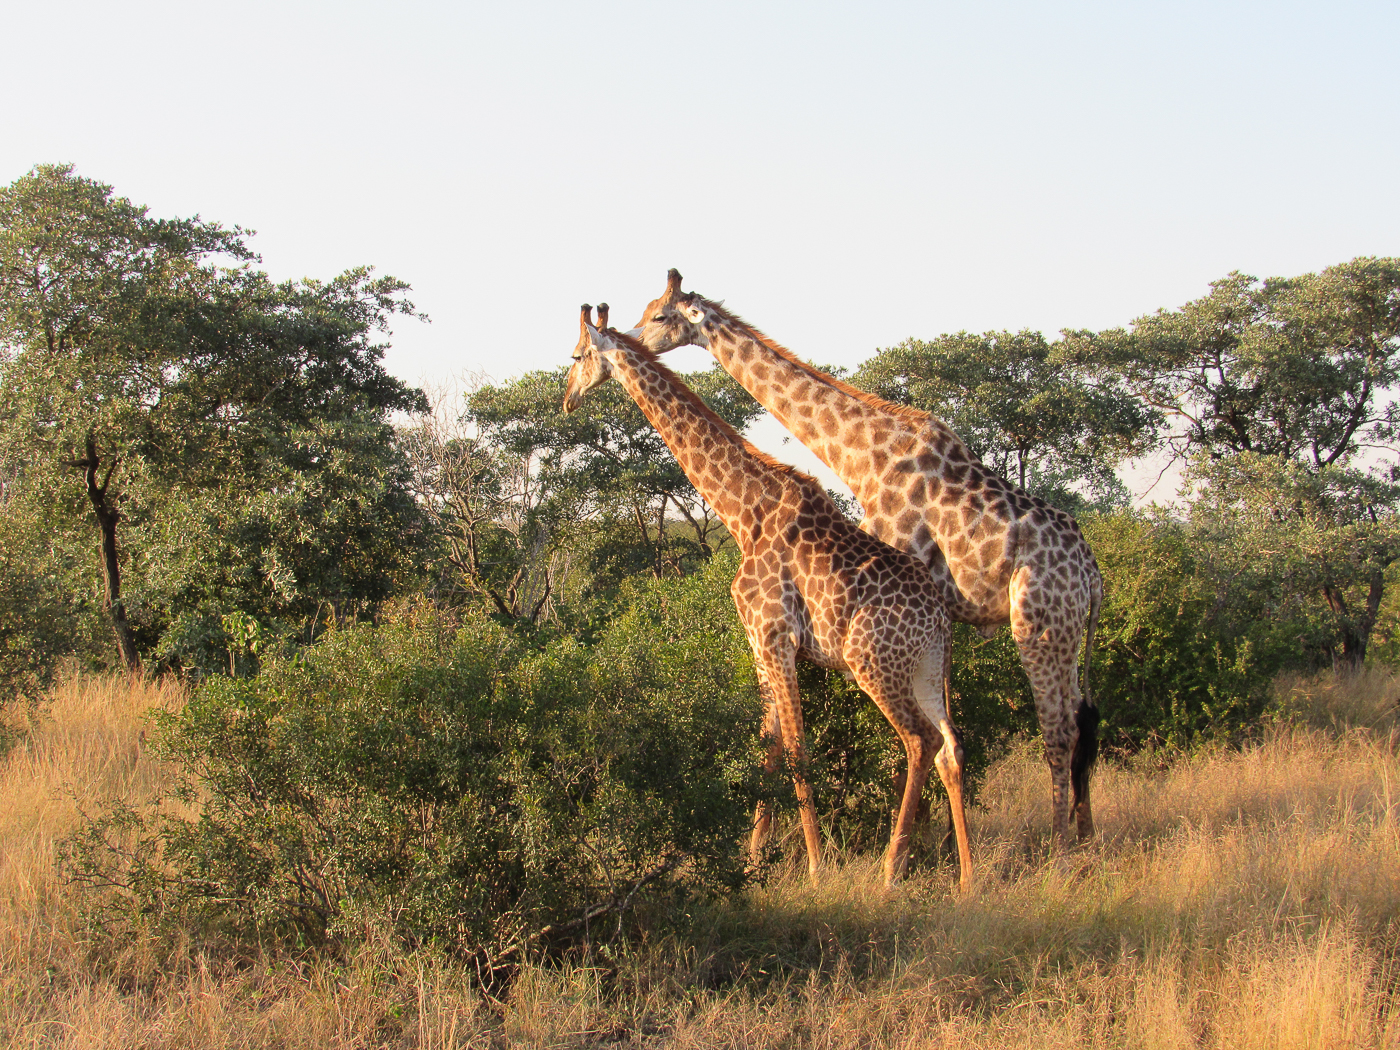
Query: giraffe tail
[1086, 719]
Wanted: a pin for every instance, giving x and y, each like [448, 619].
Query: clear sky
[844, 175]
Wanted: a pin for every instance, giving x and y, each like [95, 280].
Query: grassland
[1236, 898]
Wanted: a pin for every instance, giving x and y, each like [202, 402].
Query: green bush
[500, 790]
[456, 783]
[50, 606]
[1180, 655]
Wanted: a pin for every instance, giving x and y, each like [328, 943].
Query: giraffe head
[672, 320]
[592, 366]
[589, 369]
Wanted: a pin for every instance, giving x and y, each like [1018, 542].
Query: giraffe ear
[692, 312]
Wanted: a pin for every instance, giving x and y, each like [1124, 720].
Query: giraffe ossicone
[996, 554]
[810, 585]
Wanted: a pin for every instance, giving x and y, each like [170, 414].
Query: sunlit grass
[1235, 898]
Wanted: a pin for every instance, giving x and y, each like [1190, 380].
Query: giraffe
[996, 554]
[810, 585]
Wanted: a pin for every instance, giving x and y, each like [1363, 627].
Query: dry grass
[84, 746]
[1234, 900]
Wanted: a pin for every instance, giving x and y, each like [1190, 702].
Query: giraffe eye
[658, 318]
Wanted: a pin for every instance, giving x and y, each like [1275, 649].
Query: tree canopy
[532, 502]
[1281, 394]
[235, 453]
[1041, 420]
[1298, 367]
[147, 359]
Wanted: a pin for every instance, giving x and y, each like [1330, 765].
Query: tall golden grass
[1236, 899]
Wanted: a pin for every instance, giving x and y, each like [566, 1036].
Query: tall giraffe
[996, 554]
[810, 585]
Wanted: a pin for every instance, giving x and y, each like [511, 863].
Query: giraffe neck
[852, 436]
[722, 466]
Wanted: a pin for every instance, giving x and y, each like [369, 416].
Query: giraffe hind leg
[1050, 674]
[780, 672]
[1086, 753]
[912, 698]
[949, 760]
[876, 669]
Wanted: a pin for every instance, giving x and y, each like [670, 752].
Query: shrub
[50, 609]
[1180, 655]
[458, 784]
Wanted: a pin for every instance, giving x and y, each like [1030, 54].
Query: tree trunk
[1355, 631]
[107, 518]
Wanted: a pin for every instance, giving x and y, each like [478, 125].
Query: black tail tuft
[1086, 748]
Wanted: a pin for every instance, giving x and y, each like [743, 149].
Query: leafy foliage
[172, 399]
[457, 783]
[545, 514]
[1297, 532]
[47, 611]
[1180, 655]
[1300, 368]
[1292, 379]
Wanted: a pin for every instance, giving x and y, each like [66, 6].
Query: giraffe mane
[640, 348]
[915, 417]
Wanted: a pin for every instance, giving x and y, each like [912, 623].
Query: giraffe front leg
[763, 813]
[780, 670]
[950, 768]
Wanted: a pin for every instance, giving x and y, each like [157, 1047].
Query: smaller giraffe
[810, 585]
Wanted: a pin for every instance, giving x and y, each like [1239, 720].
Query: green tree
[598, 482]
[1044, 422]
[1184, 651]
[46, 607]
[506, 534]
[1297, 532]
[1282, 392]
[1301, 368]
[151, 361]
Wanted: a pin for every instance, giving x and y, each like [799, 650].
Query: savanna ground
[1236, 898]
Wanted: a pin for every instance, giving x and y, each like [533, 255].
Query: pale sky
[844, 175]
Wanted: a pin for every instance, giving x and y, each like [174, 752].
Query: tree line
[198, 464]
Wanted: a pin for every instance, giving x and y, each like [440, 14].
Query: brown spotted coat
[996, 554]
[811, 585]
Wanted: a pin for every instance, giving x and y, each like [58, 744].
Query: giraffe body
[811, 585]
[996, 554]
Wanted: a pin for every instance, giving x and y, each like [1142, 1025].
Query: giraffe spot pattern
[1010, 558]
